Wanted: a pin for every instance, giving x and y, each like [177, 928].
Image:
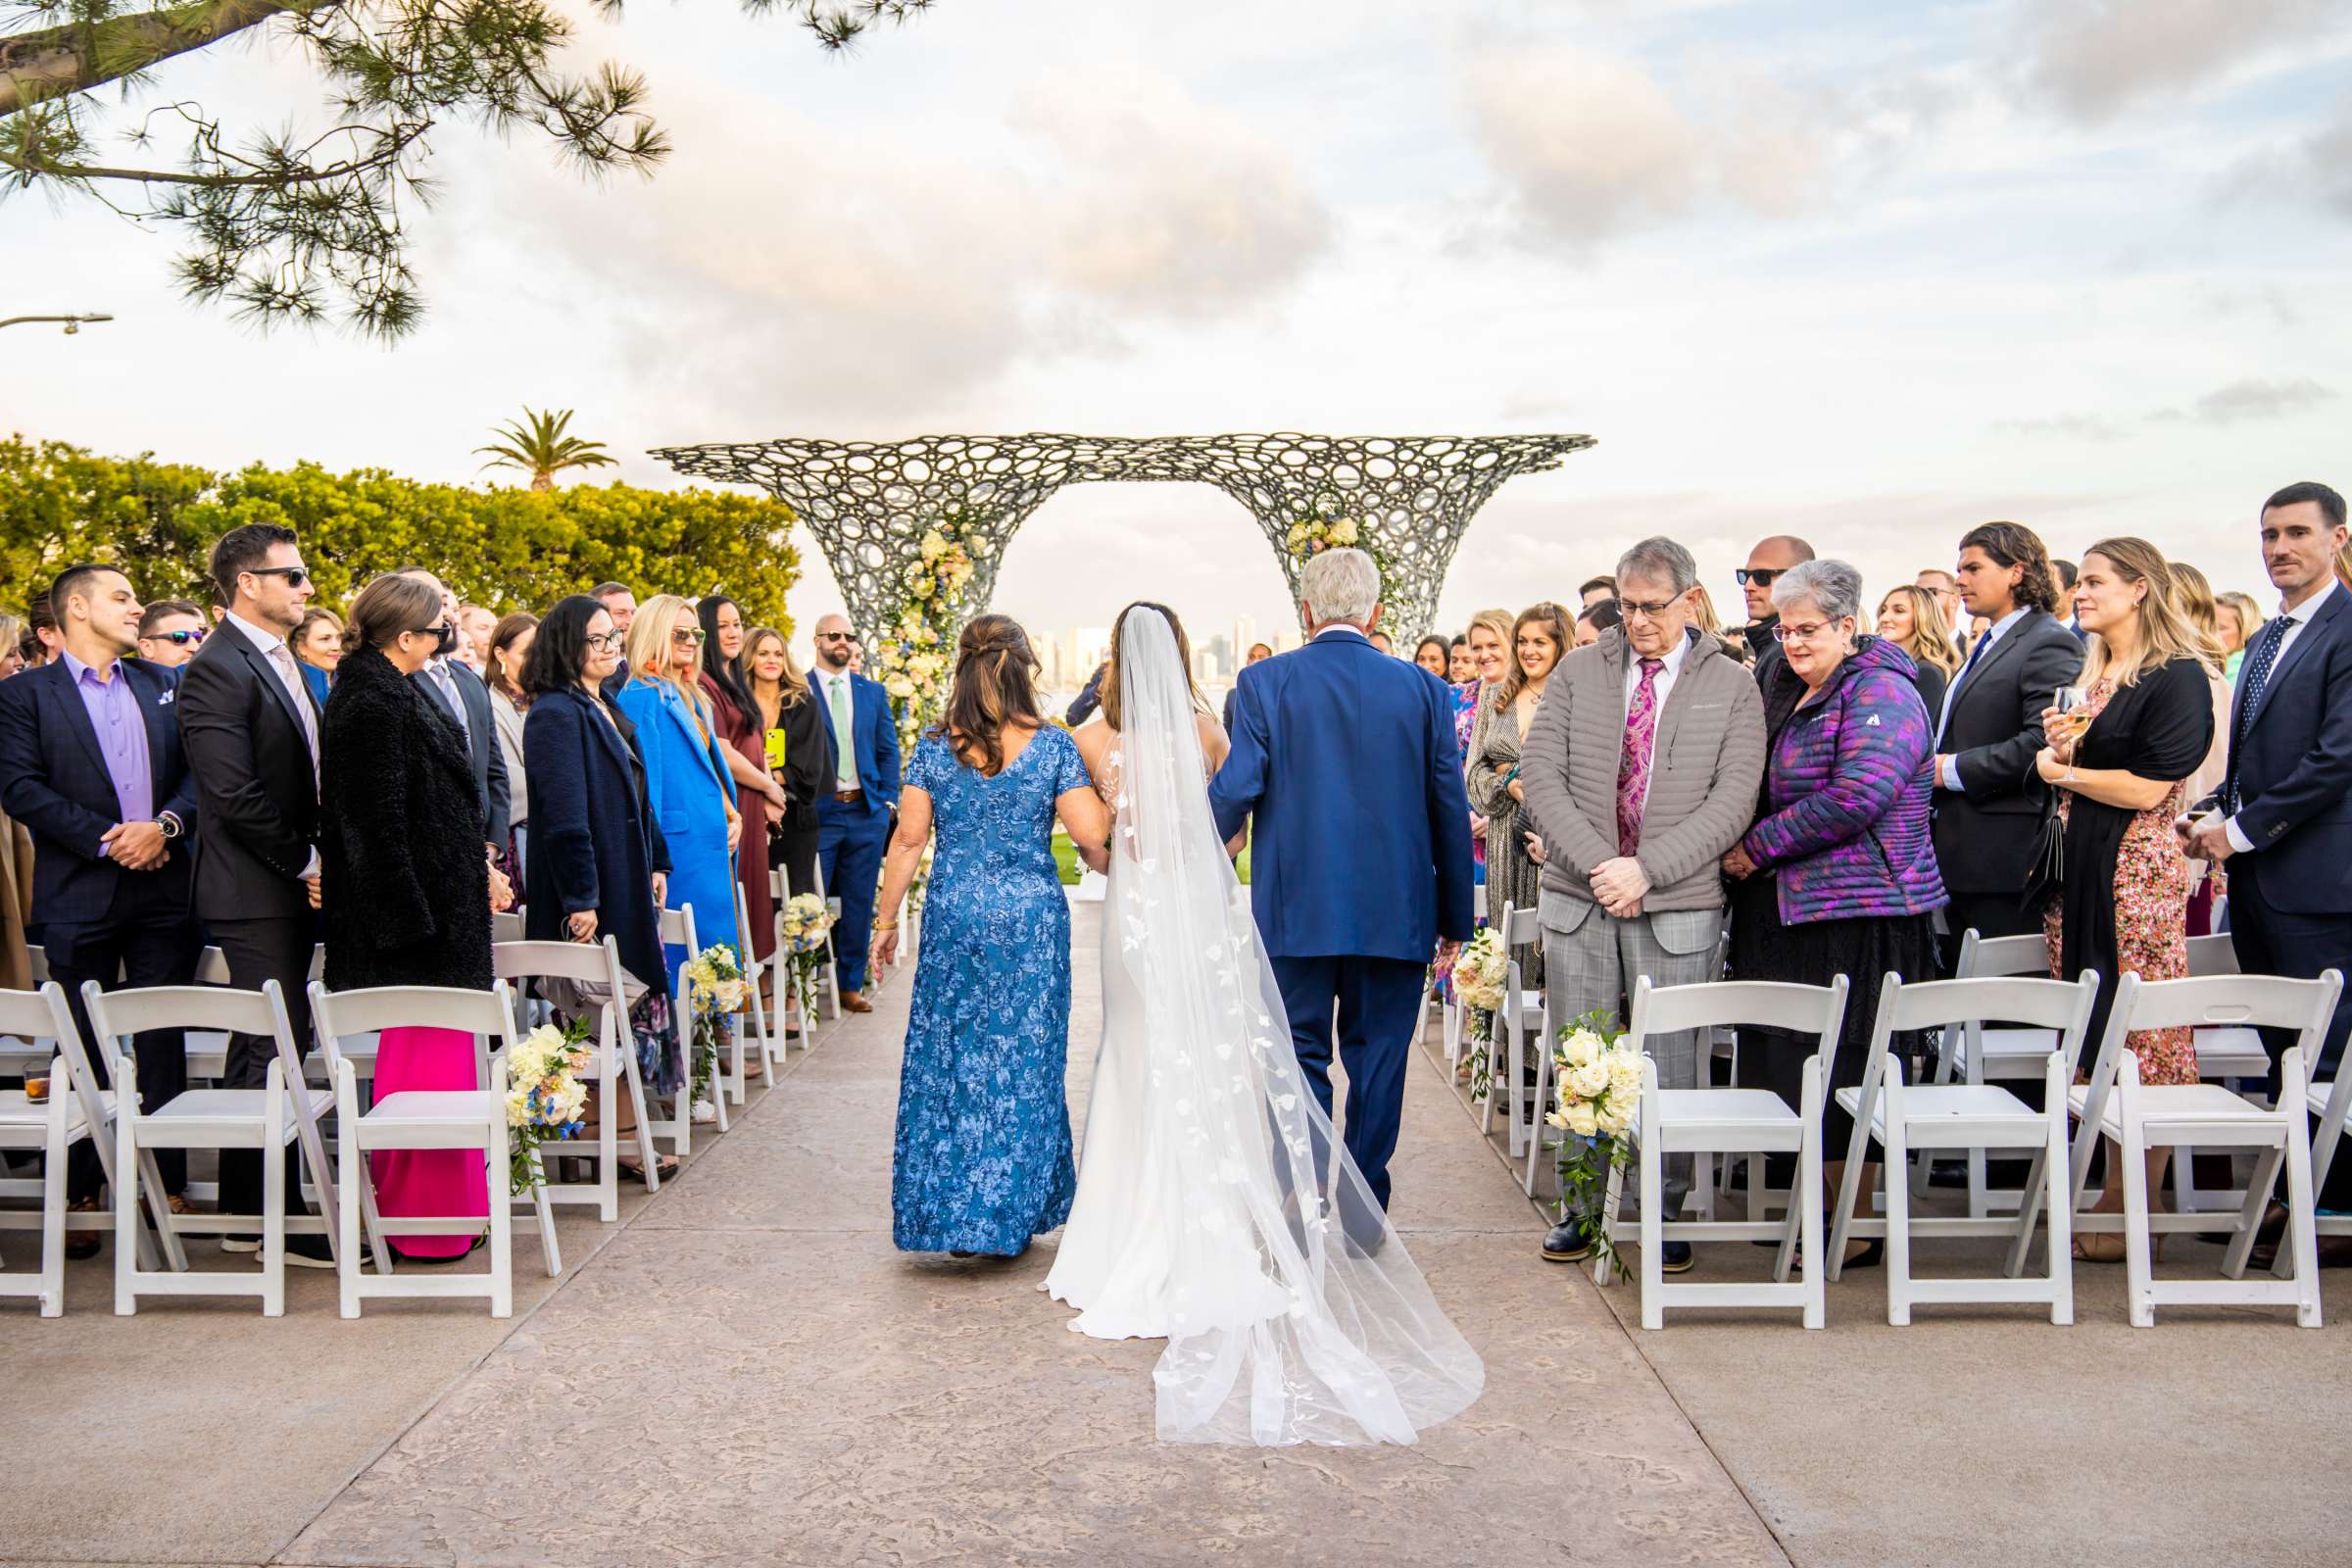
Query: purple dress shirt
[121, 730]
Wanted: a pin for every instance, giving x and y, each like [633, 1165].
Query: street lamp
[73, 322]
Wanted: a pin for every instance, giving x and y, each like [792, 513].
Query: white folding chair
[2004, 1052]
[755, 1010]
[284, 1111]
[829, 972]
[2328, 1099]
[678, 930]
[1971, 1116]
[2113, 1103]
[799, 1006]
[77, 1108]
[1729, 1121]
[614, 1066]
[2225, 1054]
[1523, 1013]
[471, 1119]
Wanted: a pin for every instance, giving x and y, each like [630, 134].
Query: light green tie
[844, 735]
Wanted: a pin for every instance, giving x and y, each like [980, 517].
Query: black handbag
[2045, 871]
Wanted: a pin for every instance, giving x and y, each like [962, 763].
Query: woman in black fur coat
[404, 889]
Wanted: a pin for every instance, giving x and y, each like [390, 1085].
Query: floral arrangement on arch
[915, 652]
[545, 1098]
[1598, 1080]
[1310, 536]
[715, 981]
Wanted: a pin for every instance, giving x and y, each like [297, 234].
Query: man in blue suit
[91, 762]
[1360, 858]
[853, 818]
[2281, 825]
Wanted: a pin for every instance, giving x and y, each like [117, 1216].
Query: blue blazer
[2293, 767]
[53, 779]
[1348, 761]
[594, 842]
[875, 738]
[686, 777]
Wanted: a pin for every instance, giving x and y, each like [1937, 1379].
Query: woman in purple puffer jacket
[1841, 835]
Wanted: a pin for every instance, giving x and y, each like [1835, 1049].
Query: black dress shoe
[2335, 1251]
[1566, 1243]
[1676, 1258]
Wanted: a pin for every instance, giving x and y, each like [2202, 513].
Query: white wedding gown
[1209, 1182]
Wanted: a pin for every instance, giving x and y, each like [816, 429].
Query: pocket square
[165, 701]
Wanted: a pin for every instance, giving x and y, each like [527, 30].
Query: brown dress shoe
[855, 1002]
[82, 1244]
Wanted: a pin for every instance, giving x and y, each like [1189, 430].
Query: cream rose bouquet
[714, 978]
[801, 925]
[545, 1098]
[1598, 1082]
[1479, 974]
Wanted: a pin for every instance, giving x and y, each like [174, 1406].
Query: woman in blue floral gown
[983, 1161]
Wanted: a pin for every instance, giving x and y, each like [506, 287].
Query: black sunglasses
[1759, 576]
[295, 576]
[181, 638]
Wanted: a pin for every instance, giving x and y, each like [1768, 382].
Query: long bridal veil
[1296, 1315]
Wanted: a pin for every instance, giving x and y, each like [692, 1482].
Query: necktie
[1633, 768]
[283, 658]
[2258, 660]
[448, 693]
[1952, 692]
[844, 722]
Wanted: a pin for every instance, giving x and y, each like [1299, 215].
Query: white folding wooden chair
[1729, 1121]
[798, 1008]
[2330, 1099]
[829, 973]
[1523, 1013]
[615, 1067]
[77, 1108]
[2113, 1103]
[285, 1112]
[1971, 1116]
[472, 1119]
[2003, 1052]
[755, 1009]
[678, 930]
[2225, 1054]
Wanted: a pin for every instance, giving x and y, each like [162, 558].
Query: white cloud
[2260, 399]
[2097, 57]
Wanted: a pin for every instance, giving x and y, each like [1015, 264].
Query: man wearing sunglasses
[853, 816]
[170, 633]
[1765, 562]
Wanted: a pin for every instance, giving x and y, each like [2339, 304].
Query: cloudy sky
[1868, 273]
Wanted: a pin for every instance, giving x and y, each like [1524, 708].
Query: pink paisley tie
[1633, 769]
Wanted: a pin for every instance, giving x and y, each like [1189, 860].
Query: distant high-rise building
[1244, 633]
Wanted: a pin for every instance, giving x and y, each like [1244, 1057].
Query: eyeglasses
[181, 639]
[608, 641]
[1757, 577]
[295, 576]
[686, 636]
[1805, 633]
[1628, 609]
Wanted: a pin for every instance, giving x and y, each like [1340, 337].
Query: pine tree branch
[75, 57]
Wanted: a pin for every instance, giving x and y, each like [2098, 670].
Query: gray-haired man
[1643, 768]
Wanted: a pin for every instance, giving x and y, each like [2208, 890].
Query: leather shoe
[2335, 1251]
[855, 1002]
[1566, 1243]
[1676, 1258]
[82, 1244]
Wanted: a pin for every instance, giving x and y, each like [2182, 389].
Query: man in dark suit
[1988, 799]
[853, 816]
[465, 702]
[2282, 823]
[252, 734]
[1345, 762]
[620, 602]
[91, 763]
[2066, 599]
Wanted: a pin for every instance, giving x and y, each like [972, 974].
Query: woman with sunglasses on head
[693, 789]
[405, 890]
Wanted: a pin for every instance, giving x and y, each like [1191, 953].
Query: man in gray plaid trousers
[1640, 772]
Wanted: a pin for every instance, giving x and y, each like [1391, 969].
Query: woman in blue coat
[598, 859]
[686, 773]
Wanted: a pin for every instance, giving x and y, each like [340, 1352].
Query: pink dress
[429, 1183]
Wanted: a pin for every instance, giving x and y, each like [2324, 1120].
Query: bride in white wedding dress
[1216, 1209]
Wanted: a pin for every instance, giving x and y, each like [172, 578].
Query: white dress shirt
[269, 643]
[2296, 619]
[1950, 776]
[1663, 683]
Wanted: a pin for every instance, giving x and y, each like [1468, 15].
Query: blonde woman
[1539, 637]
[800, 752]
[2239, 617]
[2194, 598]
[1912, 619]
[686, 776]
[2119, 762]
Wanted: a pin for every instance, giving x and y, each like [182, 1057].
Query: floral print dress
[983, 1159]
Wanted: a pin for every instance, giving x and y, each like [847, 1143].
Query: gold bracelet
[886, 925]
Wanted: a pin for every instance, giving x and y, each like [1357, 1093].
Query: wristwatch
[170, 822]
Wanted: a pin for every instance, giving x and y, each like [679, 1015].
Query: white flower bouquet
[545, 1098]
[801, 925]
[1598, 1077]
[1479, 974]
[714, 977]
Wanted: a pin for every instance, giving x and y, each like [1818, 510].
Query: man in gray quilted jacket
[1641, 770]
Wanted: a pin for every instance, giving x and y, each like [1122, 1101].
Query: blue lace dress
[983, 1159]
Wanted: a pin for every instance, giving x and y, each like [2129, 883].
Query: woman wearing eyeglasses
[317, 645]
[405, 890]
[686, 768]
[1538, 637]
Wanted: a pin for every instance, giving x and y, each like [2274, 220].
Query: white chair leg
[2259, 1185]
[127, 1217]
[1808, 1199]
[53, 1199]
[2302, 1197]
[501, 1225]
[273, 1199]
[2138, 1245]
[1894, 1176]
[548, 1248]
[649, 1161]
[1611, 1200]
[1535, 1147]
[1511, 1092]
[1653, 1236]
[351, 1183]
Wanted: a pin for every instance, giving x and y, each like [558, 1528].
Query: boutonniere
[167, 698]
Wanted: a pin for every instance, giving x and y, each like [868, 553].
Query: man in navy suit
[853, 817]
[91, 763]
[1361, 859]
[2281, 825]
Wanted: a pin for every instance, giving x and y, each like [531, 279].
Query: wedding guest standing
[465, 702]
[1431, 655]
[2194, 598]
[1989, 800]
[1641, 768]
[1765, 562]
[2120, 783]
[735, 720]
[510, 648]
[686, 770]
[983, 1159]
[853, 816]
[597, 865]
[91, 763]
[2240, 617]
[1843, 840]
[251, 728]
[620, 602]
[1460, 668]
[1910, 619]
[799, 753]
[1538, 637]
[2278, 826]
[406, 886]
[318, 649]
[170, 630]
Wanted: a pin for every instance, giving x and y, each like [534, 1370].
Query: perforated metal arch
[869, 503]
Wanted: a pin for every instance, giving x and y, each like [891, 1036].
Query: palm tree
[541, 447]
